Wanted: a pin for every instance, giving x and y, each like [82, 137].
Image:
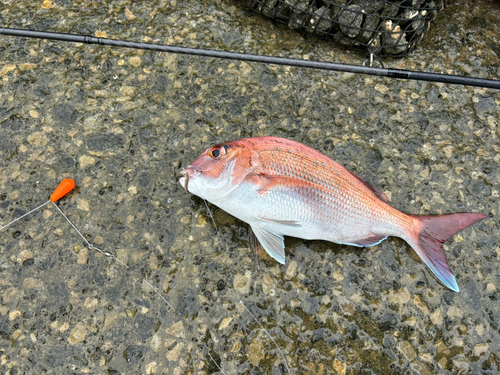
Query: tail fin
[428, 242]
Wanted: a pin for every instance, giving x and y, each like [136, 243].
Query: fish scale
[284, 188]
[353, 209]
[351, 205]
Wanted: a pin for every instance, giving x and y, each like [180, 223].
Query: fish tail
[433, 232]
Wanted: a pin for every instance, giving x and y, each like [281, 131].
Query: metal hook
[372, 57]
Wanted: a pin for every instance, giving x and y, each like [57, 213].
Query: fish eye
[217, 151]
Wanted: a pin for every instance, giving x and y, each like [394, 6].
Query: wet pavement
[123, 123]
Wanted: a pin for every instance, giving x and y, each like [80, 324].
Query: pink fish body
[284, 188]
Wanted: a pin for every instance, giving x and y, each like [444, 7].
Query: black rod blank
[382, 72]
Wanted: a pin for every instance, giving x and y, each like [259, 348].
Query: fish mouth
[188, 173]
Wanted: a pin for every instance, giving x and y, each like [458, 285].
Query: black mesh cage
[381, 27]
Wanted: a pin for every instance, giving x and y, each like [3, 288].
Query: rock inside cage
[380, 27]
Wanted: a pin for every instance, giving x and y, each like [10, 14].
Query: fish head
[218, 170]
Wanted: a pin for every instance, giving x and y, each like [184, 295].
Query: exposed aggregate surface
[123, 123]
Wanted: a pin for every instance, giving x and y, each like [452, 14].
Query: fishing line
[269, 335]
[323, 65]
[211, 217]
[26, 214]
[89, 245]
[176, 313]
[156, 291]
[213, 221]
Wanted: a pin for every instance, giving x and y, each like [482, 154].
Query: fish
[284, 188]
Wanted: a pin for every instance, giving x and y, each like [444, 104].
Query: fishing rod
[382, 72]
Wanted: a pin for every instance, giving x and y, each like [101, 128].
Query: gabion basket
[380, 27]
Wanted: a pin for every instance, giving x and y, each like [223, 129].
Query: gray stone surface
[123, 123]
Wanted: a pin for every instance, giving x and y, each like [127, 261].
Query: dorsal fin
[379, 193]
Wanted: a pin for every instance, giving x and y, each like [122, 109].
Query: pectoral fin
[271, 242]
[265, 183]
[287, 223]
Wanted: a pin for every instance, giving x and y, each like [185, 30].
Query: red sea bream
[284, 188]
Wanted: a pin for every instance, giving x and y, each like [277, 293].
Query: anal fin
[370, 240]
